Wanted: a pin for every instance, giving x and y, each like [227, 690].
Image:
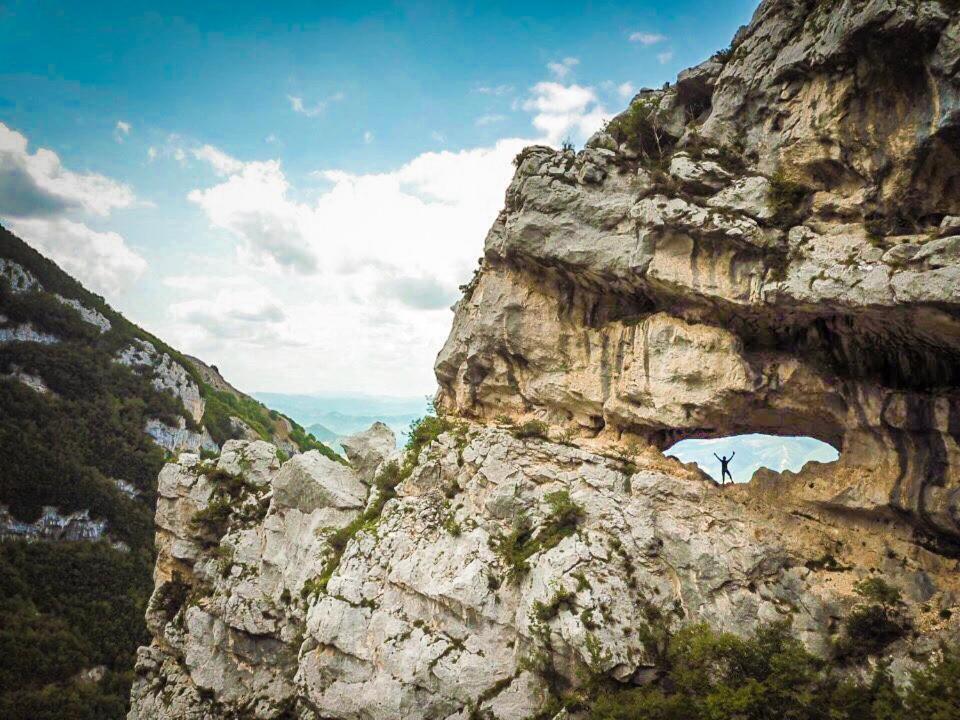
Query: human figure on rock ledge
[725, 467]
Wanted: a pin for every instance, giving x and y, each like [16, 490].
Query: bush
[67, 607]
[879, 591]
[640, 128]
[770, 676]
[423, 432]
[532, 429]
[871, 627]
[228, 500]
[786, 198]
[867, 631]
[520, 544]
[723, 55]
[934, 692]
[544, 612]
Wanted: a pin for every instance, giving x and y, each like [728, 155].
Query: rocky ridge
[767, 245]
[425, 613]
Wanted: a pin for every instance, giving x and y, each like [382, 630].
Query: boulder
[368, 449]
[311, 480]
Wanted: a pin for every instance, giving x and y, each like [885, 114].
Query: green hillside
[72, 436]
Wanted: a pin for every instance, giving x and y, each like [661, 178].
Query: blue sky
[748, 453]
[295, 196]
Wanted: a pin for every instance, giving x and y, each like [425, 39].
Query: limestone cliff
[768, 245]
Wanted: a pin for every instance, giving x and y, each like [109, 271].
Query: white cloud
[121, 131]
[272, 139]
[565, 110]
[37, 185]
[562, 69]
[647, 38]
[491, 119]
[665, 57]
[626, 90]
[390, 250]
[422, 293]
[438, 137]
[236, 309]
[298, 105]
[221, 163]
[368, 137]
[253, 205]
[152, 154]
[380, 257]
[495, 90]
[100, 260]
[39, 198]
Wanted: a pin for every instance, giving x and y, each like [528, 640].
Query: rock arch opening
[751, 452]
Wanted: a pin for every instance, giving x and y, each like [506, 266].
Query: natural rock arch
[768, 276]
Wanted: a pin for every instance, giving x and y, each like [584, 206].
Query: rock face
[766, 246]
[769, 245]
[166, 374]
[179, 438]
[52, 525]
[424, 616]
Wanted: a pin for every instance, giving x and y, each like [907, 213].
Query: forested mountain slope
[91, 406]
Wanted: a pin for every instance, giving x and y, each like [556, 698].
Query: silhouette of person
[725, 467]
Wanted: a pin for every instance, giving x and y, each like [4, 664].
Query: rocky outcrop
[17, 277]
[52, 525]
[179, 438]
[25, 332]
[88, 315]
[429, 612]
[21, 280]
[766, 246]
[165, 373]
[34, 382]
[369, 449]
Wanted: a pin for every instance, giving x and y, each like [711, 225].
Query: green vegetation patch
[532, 429]
[221, 405]
[229, 501]
[639, 127]
[65, 449]
[422, 432]
[873, 625]
[65, 608]
[786, 199]
[385, 488]
[546, 611]
[524, 541]
[706, 675]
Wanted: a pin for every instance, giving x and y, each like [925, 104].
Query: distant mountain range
[330, 417]
[752, 453]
